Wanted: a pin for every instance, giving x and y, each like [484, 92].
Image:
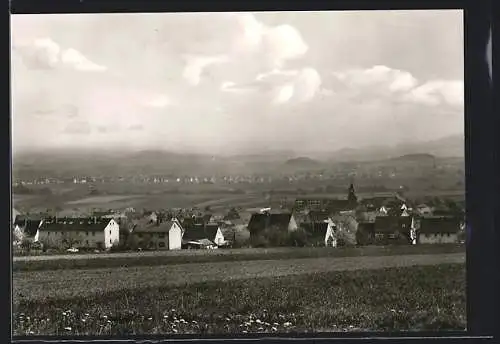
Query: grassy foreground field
[40, 285]
[131, 259]
[395, 299]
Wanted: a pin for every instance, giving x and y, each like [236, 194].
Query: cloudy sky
[229, 82]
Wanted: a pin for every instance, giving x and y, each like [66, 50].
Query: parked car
[72, 250]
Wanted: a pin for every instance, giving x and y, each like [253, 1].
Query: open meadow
[154, 258]
[309, 295]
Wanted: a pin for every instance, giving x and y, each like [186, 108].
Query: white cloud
[381, 77]
[277, 44]
[284, 94]
[283, 86]
[436, 92]
[232, 87]
[45, 53]
[398, 85]
[76, 59]
[196, 64]
[307, 84]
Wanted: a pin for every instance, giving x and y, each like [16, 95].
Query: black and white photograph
[232, 173]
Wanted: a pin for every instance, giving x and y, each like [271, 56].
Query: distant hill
[123, 163]
[452, 146]
[415, 158]
[302, 162]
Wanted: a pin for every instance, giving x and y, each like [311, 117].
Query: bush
[298, 238]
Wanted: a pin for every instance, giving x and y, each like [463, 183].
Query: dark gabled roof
[156, 227]
[390, 224]
[439, 225]
[316, 230]
[20, 219]
[75, 225]
[29, 227]
[337, 205]
[198, 232]
[377, 201]
[318, 215]
[211, 231]
[259, 222]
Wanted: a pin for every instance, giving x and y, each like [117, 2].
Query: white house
[79, 233]
[162, 235]
[175, 235]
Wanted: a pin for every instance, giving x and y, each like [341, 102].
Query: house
[161, 234]
[79, 233]
[283, 222]
[26, 226]
[321, 234]
[393, 229]
[317, 216]
[212, 232]
[196, 235]
[438, 230]
[375, 203]
[333, 205]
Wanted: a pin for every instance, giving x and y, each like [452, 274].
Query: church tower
[351, 197]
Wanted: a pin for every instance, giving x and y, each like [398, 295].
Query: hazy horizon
[236, 82]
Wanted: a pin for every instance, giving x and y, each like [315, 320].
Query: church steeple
[351, 197]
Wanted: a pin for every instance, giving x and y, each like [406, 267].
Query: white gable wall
[330, 235]
[111, 234]
[175, 237]
[292, 225]
[219, 237]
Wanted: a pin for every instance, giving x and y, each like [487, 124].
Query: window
[93, 233]
[139, 235]
[161, 235]
[110, 242]
[110, 232]
[48, 233]
[62, 233]
[161, 244]
[86, 233]
[87, 242]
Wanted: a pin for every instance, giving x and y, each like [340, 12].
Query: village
[312, 222]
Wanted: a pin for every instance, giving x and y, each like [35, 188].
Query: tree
[362, 237]
[132, 242]
[346, 230]
[298, 238]
[25, 245]
[232, 214]
[18, 236]
[71, 239]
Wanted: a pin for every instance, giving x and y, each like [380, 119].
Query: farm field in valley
[186, 198]
[308, 295]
